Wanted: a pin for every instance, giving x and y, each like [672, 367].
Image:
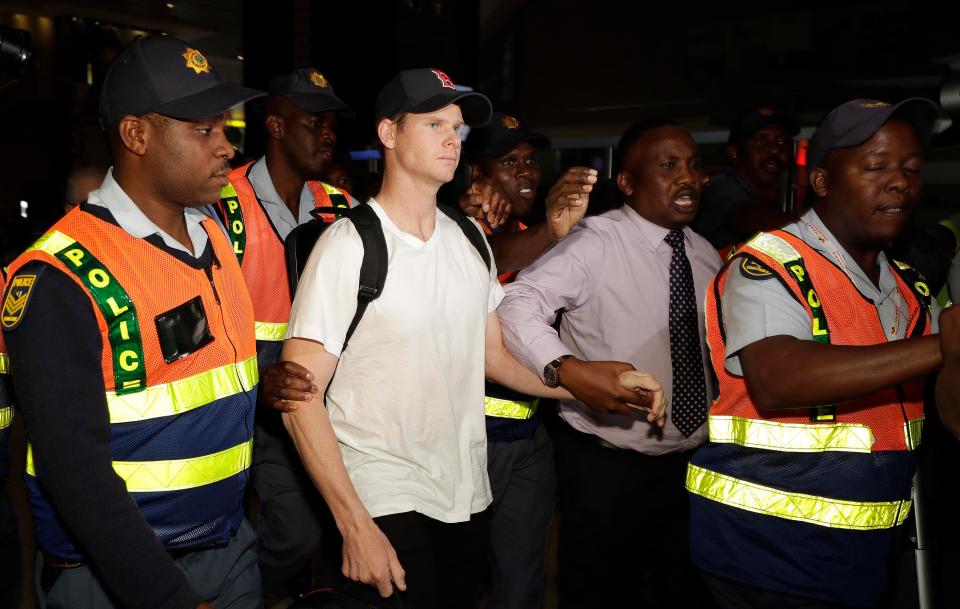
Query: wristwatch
[551, 372]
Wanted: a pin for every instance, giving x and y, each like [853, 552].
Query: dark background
[578, 70]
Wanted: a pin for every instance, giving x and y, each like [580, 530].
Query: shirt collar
[132, 219]
[817, 243]
[653, 234]
[259, 177]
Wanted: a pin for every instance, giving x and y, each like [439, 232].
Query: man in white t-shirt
[399, 452]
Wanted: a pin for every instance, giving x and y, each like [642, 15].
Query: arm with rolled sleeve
[562, 279]
[55, 356]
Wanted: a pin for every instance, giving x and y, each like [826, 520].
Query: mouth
[772, 165]
[221, 176]
[449, 159]
[899, 211]
[326, 153]
[526, 192]
[685, 201]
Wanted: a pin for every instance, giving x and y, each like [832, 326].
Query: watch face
[551, 378]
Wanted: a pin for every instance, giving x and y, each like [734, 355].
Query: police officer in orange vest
[821, 344]
[263, 202]
[131, 340]
[519, 452]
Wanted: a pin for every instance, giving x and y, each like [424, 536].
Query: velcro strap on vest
[509, 409]
[6, 417]
[265, 330]
[913, 431]
[177, 474]
[820, 511]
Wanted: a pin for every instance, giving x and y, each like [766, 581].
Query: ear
[474, 172]
[820, 181]
[134, 134]
[625, 183]
[274, 126]
[387, 132]
[731, 152]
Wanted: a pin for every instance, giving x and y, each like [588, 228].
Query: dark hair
[633, 133]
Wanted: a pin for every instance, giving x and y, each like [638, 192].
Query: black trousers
[623, 527]
[731, 594]
[444, 564]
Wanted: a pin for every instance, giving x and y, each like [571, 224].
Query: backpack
[373, 268]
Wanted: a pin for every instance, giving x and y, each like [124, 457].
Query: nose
[329, 135]
[900, 182]
[225, 149]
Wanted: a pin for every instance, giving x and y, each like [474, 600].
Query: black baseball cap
[165, 75]
[854, 122]
[425, 90]
[755, 119]
[310, 91]
[501, 135]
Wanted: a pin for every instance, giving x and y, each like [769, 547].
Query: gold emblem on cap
[318, 79]
[510, 123]
[766, 111]
[873, 103]
[196, 61]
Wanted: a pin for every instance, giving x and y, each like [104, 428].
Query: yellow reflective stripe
[4, 363]
[775, 247]
[331, 190]
[177, 474]
[791, 437]
[509, 409]
[265, 330]
[912, 432]
[52, 242]
[6, 417]
[186, 394]
[821, 511]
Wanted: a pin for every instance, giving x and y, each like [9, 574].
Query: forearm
[785, 372]
[514, 251]
[314, 438]
[504, 369]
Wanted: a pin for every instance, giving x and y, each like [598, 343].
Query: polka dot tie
[689, 387]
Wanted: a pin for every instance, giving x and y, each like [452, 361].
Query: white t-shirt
[406, 401]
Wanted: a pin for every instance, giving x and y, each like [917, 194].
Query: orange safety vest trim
[259, 248]
[850, 320]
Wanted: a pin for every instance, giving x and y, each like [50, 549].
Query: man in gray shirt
[630, 285]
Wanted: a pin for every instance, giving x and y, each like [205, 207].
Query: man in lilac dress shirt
[623, 524]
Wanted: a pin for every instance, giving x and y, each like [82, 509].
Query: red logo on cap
[444, 79]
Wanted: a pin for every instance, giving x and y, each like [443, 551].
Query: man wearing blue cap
[821, 345]
[399, 451]
[140, 440]
[264, 201]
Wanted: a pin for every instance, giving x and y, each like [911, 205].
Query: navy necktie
[689, 409]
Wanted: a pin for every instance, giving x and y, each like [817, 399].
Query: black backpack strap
[473, 233]
[373, 268]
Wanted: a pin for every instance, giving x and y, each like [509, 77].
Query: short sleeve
[755, 308]
[326, 298]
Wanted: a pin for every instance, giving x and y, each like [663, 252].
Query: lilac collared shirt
[611, 277]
